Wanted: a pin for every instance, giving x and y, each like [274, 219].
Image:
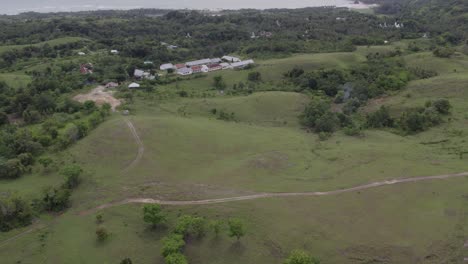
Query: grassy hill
[189, 154]
[52, 43]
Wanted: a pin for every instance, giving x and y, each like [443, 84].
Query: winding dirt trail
[270, 195]
[141, 147]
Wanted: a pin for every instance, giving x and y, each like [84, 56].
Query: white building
[198, 62]
[242, 64]
[166, 67]
[138, 73]
[226, 65]
[81, 53]
[133, 85]
[114, 52]
[184, 71]
[231, 59]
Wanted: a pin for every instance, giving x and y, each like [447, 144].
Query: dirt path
[269, 195]
[35, 227]
[141, 147]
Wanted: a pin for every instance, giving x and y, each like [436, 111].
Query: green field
[15, 80]
[189, 154]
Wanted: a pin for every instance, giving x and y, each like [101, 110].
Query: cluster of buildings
[206, 65]
[395, 25]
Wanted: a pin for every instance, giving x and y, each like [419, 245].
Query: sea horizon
[54, 6]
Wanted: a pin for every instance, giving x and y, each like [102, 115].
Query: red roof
[215, 66]
[197, 68]
[181, 65]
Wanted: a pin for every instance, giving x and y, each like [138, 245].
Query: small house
[184, 71]
[196, 69]
[167, 66]
[138, 73]
[180, 65]
[81, 53]
[133, 85]
[114, 52]
[148, 63]
[215, 67]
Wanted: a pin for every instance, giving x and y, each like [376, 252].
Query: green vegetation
[69, 171]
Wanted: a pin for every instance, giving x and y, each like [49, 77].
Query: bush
[101, 234]
[176, 258]
[442, 106]
[153, 214]
[72, 174]
[172, 244]
[300, 257]
[11, 169]
[327, 123]
[254, 76]
[56, 199]
[442, 52]
[380, 118]
[14, 212]
[191, 226]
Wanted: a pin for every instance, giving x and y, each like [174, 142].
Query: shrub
[300, 257]
[101, 234]
[380, 118]
[172, 244]
[153, 214]
[72, 174]
[442, 106]
[176, 258]
[191, 226]
[14, 212]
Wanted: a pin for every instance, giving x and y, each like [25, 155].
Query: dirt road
[141, 147]
[270, 195]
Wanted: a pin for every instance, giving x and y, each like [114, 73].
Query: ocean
[18, 6]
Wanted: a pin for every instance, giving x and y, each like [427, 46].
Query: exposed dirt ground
[100, 95]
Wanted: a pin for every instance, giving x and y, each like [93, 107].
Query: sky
[18, 6]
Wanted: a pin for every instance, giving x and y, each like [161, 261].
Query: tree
[300, 257]
[236, 228]
[3, 119]
[56, 199]
[216, 226]
[101, 234]
[380, 118]
[328, 123]
[153, 214]
[172, 244]
[72, 174]
[14, 212]
[176, 258]
[442, 106]
[188, 225]
[126, 261]
[254, 76]
[314, 111]
[218, 82]
[99, 219]
[45, 161]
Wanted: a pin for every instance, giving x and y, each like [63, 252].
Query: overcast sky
[16, 6]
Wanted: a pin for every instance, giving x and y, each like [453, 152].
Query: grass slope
[53, 42]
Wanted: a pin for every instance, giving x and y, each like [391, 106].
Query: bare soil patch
[100, 95]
